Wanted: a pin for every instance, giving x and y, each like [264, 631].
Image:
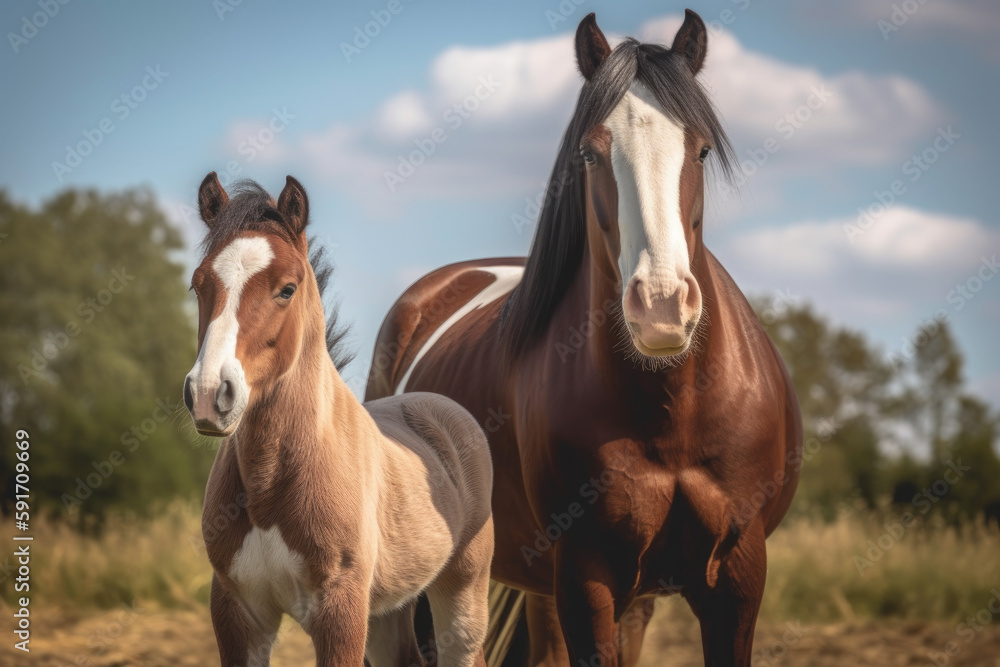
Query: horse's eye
[704, 153]
[287, 292]
[588, 156]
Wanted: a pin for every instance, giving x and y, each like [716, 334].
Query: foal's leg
[391, 640]
[339, 623]
[459, 600]
[242, 638]
[728, 612]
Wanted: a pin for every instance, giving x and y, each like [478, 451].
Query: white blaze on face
[660, 297]
[235, 265]
[647, 155]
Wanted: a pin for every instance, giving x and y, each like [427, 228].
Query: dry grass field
[136, 595]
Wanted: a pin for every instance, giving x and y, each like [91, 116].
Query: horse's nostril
[225, 397]
[188, 396]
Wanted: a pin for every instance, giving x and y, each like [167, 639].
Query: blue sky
[868, 97]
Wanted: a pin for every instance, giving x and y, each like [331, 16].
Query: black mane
[559, 242]
[252, 209]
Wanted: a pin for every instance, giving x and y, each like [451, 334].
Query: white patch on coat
[271, 577]
[507, 278]
[647, 156]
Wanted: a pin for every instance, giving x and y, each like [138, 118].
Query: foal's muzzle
[216, 403]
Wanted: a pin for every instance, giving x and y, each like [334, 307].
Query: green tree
[913, 406]
[972, 448]
[931, 400]
[844, 390]
[96, 341]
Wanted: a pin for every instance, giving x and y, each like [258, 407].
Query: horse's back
[428, 309]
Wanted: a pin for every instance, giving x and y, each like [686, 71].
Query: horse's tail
[508, 628]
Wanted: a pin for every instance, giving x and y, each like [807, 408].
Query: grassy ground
[855, 587]
[153, 637]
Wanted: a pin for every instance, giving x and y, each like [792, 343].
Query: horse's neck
[308, 424]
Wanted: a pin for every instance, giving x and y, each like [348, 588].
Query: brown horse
[335, 513]
[645, 434]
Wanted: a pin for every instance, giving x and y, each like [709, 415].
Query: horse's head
[256, 294]
[644, 146]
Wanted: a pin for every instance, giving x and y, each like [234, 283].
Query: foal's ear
[691, 41]
[294, 206]
[591, 46]
[211, 198]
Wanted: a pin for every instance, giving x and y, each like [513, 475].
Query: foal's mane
[252, 209]
[558, 246]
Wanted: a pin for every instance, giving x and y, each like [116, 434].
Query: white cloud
[402, 116]
[537, 77]
[969, 17]
[507, 144]
[974, 22]
[254, 141]
[914, 239]
[902, 240]
[855, 118]
[803, 248]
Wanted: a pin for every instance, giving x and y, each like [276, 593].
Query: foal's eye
[287, 292]
[704, 153]
[588, 156]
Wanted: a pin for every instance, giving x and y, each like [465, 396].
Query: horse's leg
[548, 649]
[391, 640]
[242, 639]
[460, 604]
[338, 624]
[728, 611]
[585, 598]
[633, 625]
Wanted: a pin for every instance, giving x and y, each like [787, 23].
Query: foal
[336, 513]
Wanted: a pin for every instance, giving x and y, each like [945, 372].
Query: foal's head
[644, 129]
[257, 295]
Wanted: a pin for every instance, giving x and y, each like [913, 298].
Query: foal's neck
[303, 425]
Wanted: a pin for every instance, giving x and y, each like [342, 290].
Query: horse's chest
[270, 577]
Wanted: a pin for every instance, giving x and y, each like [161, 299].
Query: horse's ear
[691, 41]
[211, 198]
[294, 206]
[591, 46]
